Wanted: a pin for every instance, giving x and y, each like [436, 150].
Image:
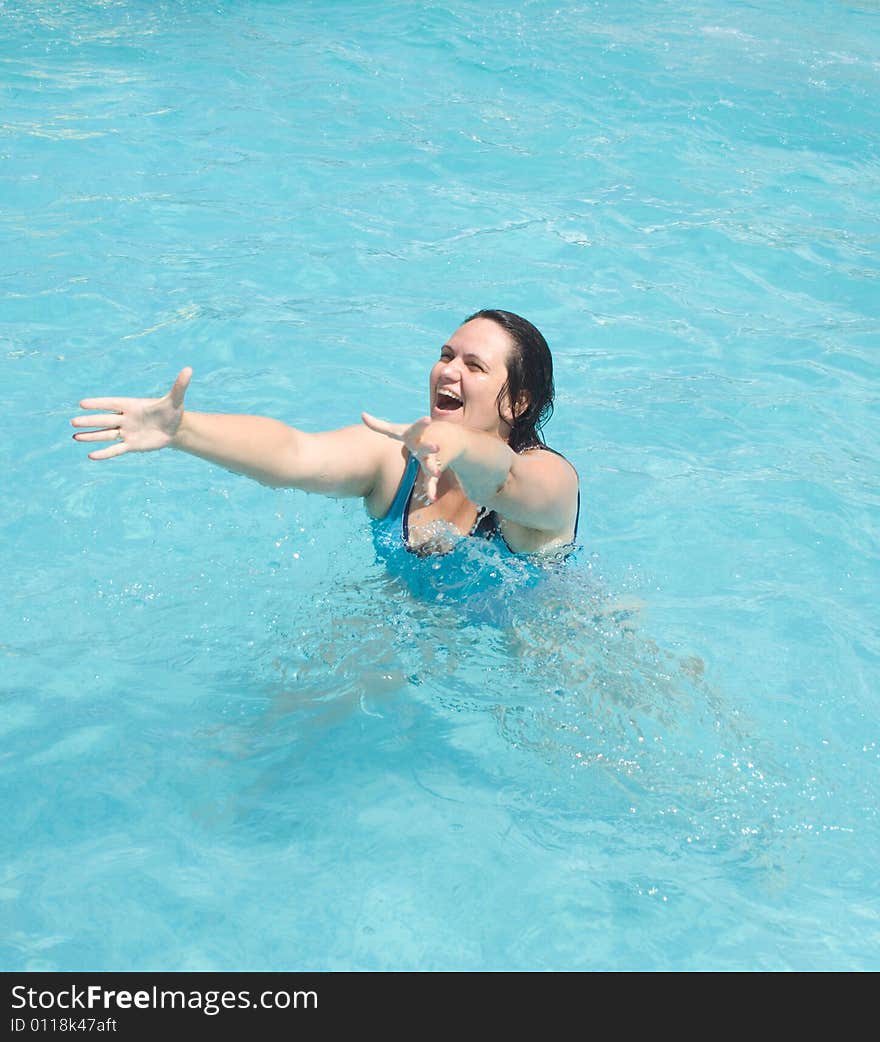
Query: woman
[468, 469]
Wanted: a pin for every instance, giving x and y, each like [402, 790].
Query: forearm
[255, 446]
[480, 462]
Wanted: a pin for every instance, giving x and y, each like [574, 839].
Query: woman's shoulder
[549, 481]
[541, 447]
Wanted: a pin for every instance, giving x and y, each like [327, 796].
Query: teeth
[448, 393]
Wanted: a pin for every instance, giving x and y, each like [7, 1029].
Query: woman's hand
[413, 437]
[134, 424]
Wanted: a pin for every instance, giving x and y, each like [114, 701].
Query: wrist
[450, 439]
[183, 429]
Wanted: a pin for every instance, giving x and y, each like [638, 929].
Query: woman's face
[468, 378]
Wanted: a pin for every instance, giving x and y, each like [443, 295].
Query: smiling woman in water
[476, 466]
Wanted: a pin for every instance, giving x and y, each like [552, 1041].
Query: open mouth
[448, 401]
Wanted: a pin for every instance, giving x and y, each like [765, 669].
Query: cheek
[485, 393]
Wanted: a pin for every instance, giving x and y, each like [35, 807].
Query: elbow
[285, 469]
[496, 497]
[502, 488]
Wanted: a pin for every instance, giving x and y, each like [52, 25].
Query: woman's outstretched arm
[345, 462]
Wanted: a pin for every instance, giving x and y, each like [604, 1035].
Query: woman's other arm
[535, 490]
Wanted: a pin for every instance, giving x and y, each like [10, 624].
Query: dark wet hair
[529, 370]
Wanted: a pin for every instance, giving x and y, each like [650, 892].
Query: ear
[522, 403]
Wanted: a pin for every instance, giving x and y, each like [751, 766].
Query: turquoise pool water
[231, 739]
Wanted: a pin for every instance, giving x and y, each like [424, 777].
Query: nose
[450, 369]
